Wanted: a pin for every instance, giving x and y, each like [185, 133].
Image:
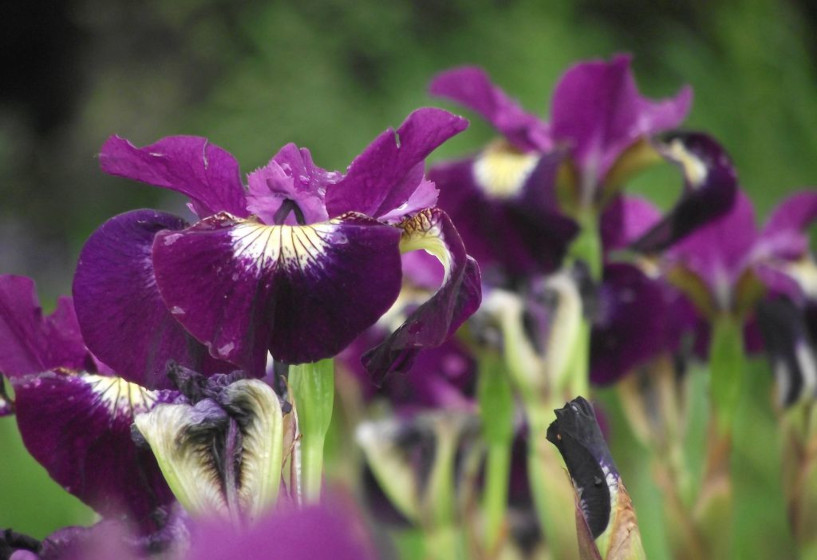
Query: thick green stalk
[551, 487]
[714, 511]
[496, 409]
[313, 391]
[444, 539]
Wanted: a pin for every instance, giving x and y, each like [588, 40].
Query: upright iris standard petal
[122, 315]
[190, 165]
[78, 426]
[710, 189]
[784, 231]
[437, 319]
[290, 176]
[472, 87]
[303, 292]
[599, 112]
[388, 172]
[31, 343]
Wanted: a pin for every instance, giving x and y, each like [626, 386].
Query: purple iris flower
[513, 202]
[519, 202]
[297, 263]
[75, 416]
[728, 265]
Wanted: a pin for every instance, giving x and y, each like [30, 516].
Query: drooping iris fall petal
[122, 316]
[304, 292]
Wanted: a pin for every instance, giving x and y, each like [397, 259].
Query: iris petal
[437, 319]
[122, 315]
[31, 343]
[301, 292]
[471, 87]
[78, 426]
[710, 190]
[190, 165]
[388, 172]
[598, 110]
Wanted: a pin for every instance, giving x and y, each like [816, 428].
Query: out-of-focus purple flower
[328, 530]
[301, 261]
[74, 416]
[728, 265]
[513, 202]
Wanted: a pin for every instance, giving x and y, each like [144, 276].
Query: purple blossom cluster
[158, 394]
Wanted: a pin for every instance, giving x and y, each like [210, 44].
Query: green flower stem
[551, 487]
[496, 408]
[444, 539]
[714, 511]
[726, 364]
[313, 391]
[587, 245]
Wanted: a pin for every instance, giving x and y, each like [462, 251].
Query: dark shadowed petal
[791, 349]
[472, 87]
[388, 172]
[576, 434]
[315, 532]
[290, 175]
[631, 323]
[626, 219]
[441, 377]
[78, 426]
[710, 189]
[303, 292]
[519, 232]
[599, 112]
[435, 321]
[122, 315]
[32, 343]
[190, 165]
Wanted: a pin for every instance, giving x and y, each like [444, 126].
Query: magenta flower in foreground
[298, 263]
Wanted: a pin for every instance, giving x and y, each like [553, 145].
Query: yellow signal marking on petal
[694, 169]
[501, 170]
[421, 232]
[121, 396]
[286, 245]
[804, 271]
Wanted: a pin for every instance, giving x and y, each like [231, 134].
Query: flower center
[287, 206]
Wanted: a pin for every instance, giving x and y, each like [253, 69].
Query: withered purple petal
[301, 292]
[78, 426]
[190, 165]
[576, 434]
[122, 315]
[437, 319]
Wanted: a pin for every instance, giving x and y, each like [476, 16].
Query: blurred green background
[330, 75]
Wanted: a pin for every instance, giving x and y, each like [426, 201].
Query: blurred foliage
[330, 75]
